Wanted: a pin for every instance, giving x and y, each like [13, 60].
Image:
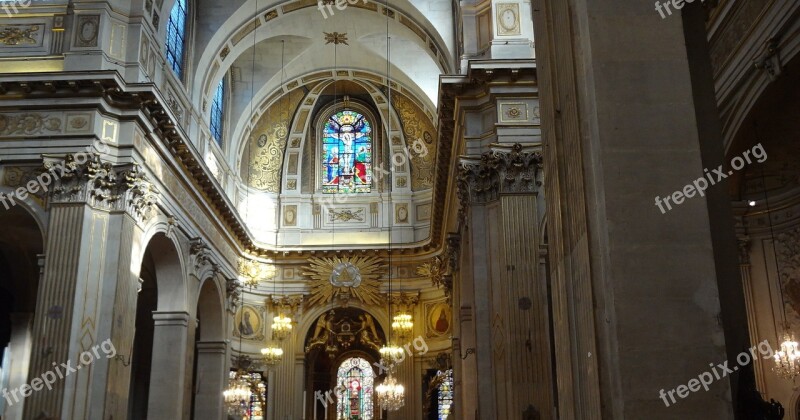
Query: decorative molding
[201, 259]
[85, 178]
[498, 172]
[346, 215]
[18, 35]
[441, 268]
[325, 286]
[88, 28]
[29, 124]
[232, 291]
[335, 38]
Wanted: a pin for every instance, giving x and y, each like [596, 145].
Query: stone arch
[169, 272]
[21, 243]
[306, 322]
[211, 310]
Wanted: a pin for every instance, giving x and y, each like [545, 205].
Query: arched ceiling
[419, 53]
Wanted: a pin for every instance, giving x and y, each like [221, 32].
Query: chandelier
[281, 327]
[237, 396]
[391, 352]
[787, 359]
[272, 354]
[402, 324]
[390, 394]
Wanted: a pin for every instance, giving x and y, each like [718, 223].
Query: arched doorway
[209, 375]
[21, 244]
[342, 350]
[158, 362]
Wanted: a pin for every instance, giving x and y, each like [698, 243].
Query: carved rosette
[500, 171]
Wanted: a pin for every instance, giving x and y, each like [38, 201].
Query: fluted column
[89, 244]
[499, 191]
[212, 377]
[168, 375]
[750, 303]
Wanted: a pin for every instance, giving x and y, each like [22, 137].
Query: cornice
[146, 99]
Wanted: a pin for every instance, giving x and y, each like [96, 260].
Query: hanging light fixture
[390, 394]
[403, 324]
[237, 396]
[281, 327]
[787, 359]
[272, 354]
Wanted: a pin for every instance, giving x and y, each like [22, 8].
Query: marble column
[168, 375]
[499, 192]
[212, 378]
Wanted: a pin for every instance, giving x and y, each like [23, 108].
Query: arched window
[176, 36]
[354, 381]
[347, 154]
[218, 112]
[445, 398]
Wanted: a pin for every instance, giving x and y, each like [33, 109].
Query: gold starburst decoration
[335, 38]
[345, 278]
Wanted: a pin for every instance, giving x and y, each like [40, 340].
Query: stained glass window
[176, 36]
[445, 394]
[347, 154]
[218, 112]
[354, 390]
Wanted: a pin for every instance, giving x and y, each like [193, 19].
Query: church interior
[399, 209]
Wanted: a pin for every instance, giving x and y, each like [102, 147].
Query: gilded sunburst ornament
[335, 38]
[345, 278]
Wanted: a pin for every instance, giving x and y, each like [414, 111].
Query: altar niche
[342, 350]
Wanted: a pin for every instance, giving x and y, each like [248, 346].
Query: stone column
[635, 293]
[750, 302]
[212, 378]
[170, 351]
[88, 252]
[499, 191]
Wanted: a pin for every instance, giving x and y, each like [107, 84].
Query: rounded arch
[307, 322]
[32, 207]
[167, 263]
[378, 142]
[225, 47]
[211, 310]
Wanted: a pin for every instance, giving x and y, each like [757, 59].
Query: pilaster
[499, 192]
[94, 208]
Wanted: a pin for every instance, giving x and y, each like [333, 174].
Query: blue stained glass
[346, 154]
[218, 112]
[176, 36]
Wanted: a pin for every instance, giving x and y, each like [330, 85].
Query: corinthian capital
[503, 170]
